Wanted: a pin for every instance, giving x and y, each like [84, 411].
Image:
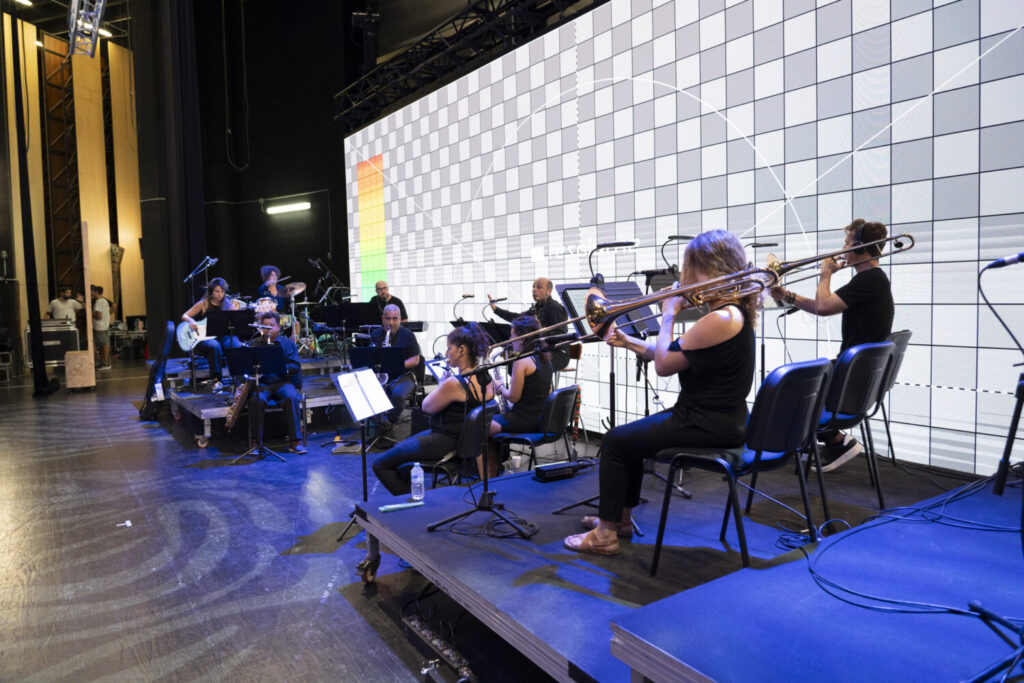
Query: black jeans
[624, 448]
[213, 351]
[287, 396]
[392, 468]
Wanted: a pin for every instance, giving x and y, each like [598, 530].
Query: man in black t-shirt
[867, 307]
[283, 390]
[391, 333]
[548, 311]
[383, 299]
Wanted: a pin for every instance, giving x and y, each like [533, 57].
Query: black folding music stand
[229, 323]
[256, 362]
[498, 332]
[389, 360]
[364, 400]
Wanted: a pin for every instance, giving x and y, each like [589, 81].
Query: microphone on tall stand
[1006, 261]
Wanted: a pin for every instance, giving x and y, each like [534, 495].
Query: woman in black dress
[448, 406]
[715, 363]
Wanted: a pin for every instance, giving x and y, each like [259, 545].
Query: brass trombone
[600, 312]
[784, 268]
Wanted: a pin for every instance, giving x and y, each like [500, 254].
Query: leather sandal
[625, 529]
[587, 543]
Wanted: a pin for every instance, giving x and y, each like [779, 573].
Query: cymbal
[306, 303]
[294, 288]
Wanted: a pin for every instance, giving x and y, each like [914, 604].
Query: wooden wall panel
[92, 168]
[30, 94]
[126, 173]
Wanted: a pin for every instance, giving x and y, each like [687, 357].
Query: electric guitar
[189, 338]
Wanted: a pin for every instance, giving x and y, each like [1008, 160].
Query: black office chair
[781, 425]
[469, 445]
[854, 392]
[553, 425]
[901, 339]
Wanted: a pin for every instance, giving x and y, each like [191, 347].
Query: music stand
[364, 399]
[386, 360]
[255, 362]
[228, 323]
[498, 332]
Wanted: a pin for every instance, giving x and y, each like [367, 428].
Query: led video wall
[779, 120]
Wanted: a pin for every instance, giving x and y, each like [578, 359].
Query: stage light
[39, 43]
[26, 3]
[288, 208]
[105, 33]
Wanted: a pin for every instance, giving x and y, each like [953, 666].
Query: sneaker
[298, 448]
[835, 455]
[104, 367]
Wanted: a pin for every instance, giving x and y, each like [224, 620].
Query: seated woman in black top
[448, 406]
[528, 387]
[715, 363]
[216, 299]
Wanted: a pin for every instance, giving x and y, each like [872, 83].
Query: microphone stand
[455, 315]
[485, 503]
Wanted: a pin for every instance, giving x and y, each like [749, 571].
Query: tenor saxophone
[237, 401]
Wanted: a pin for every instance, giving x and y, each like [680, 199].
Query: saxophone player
[391, 333]
[284, 390]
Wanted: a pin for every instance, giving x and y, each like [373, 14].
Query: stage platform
[178, 373]
[318, 392]
[553, 605]
[582, 617]
[780, 625]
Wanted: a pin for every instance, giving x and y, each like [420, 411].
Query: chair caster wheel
[202, 441]
[367, 569]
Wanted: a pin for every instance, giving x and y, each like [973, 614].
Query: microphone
[790, 312]
[614, 245]
[555, 339]
[262, 327]
[467, 296]
[1006, 261]
[654, 272]
[211, 261]
[495, 301]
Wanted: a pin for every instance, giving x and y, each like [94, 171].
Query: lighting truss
[482, 31]
[84, 17]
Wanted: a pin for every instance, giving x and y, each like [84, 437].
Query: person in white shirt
[100, 327]
[64, 307]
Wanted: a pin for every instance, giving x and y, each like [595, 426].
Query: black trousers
[284, 394]
[398, 391]
[213, 351]
[392, 468]
[624, 448]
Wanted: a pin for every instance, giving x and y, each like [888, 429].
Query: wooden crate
[79, 370]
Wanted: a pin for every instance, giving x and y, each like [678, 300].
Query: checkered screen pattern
[780, 120]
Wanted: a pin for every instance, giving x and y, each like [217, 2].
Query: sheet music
[357, 402]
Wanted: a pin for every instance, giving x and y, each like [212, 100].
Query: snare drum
[266, 304]
[234, 304]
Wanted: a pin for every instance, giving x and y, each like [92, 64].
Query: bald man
[548, 311]
[384, 298]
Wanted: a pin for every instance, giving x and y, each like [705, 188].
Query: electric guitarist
[212, 349]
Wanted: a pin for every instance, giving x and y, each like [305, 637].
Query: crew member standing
[64, 306]
[867, 307]
[548, 311]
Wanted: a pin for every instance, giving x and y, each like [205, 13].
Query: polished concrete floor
[128, 553]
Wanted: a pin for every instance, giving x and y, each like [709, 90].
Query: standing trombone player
[867, 307]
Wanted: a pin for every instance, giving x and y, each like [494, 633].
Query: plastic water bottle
[417, 482]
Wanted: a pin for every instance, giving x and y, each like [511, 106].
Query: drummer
[269, 289]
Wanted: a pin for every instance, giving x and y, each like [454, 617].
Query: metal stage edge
[650, 663]
[524, 640]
